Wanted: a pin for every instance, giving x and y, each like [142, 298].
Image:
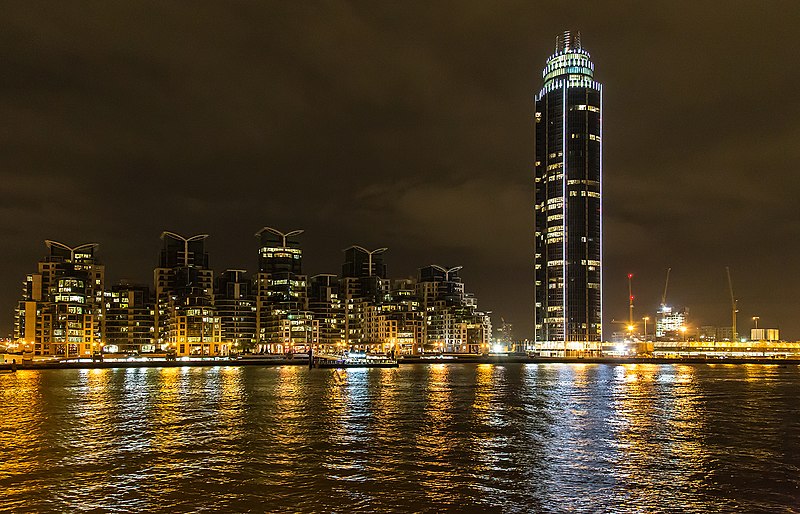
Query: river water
[421, 438]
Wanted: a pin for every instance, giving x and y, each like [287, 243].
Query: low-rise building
[729, 349]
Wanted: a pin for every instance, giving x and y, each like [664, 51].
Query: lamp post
[683, 331]
[645, 319]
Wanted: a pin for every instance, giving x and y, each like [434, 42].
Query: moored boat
[354, 360]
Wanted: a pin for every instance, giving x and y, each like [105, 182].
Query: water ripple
[422, 438]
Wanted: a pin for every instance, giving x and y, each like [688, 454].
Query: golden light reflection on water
[386, 420]
[580, 375]
[634, 409]
[482, 403]
[633, 438]
[438, 397]
[686, 419]
[21, 403]
[335, 393]
[231, 400]
[433, 441]
[289, 406]
[490, 413]
[22, 393]
[92, 413]
[762, 374]
[166, 417]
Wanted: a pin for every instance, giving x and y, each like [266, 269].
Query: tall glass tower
[567, 203]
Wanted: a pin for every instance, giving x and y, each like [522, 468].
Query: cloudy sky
[406, 125]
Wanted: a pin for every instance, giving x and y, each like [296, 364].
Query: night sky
[407, 125]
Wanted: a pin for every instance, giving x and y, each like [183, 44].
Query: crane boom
[734, 307]
[666, 285]
[630, 302]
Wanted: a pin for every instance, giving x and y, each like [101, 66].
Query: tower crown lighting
[570, 65]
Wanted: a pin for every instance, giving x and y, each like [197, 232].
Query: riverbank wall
[302, 361]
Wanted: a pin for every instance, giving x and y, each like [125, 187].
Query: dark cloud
[407, 125]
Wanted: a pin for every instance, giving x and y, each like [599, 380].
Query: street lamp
[645, 319]
[683, 331]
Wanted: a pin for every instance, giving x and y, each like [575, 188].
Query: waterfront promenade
[302, 360]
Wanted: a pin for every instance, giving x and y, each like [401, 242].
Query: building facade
[61, 312]
[235, 301]
[567, 204]
[284, 322]
[130, 319]
[396, 324]
[453, 323]
[325, 303]
[66, 312]
[186, 321]
[363, 283]
[671, 323]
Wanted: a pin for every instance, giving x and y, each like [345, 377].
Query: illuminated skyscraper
[567, 203]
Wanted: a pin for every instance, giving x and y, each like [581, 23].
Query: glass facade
[185, 319]
[129, 319]
[284, 323]
[235, 300]
[62, 310]
[325, 302]
[567, 203]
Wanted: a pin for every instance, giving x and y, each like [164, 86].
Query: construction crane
[664, 296]
[734, 306]
[630, 301]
